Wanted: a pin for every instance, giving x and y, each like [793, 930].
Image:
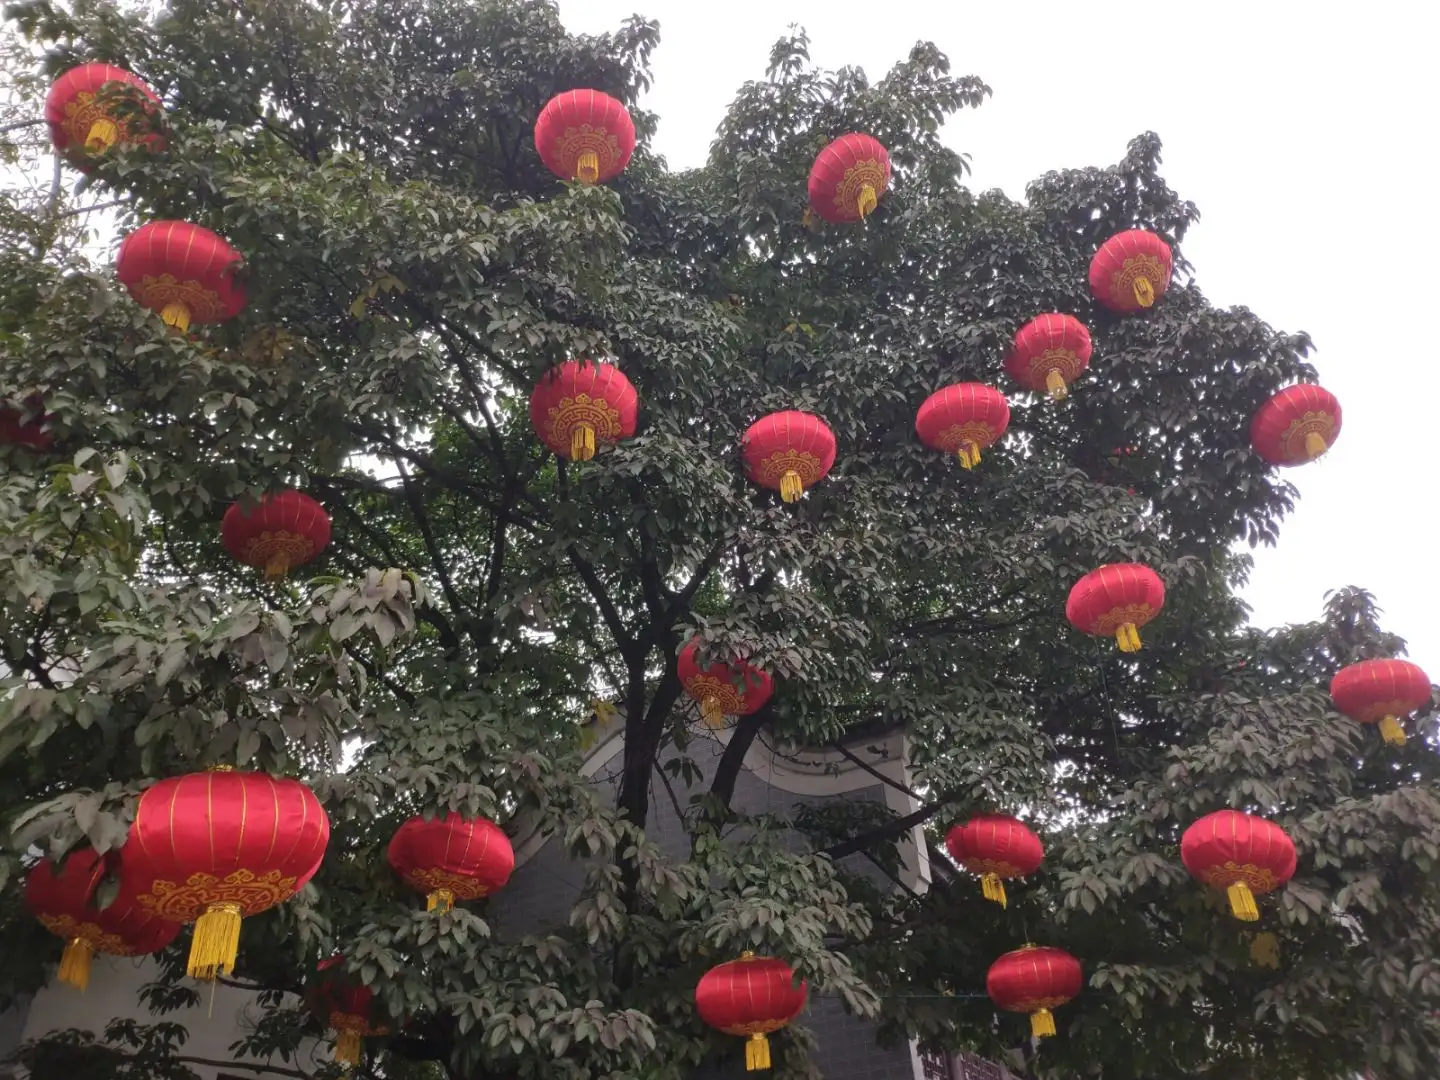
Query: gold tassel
[277, 566]
[1144, 291]
[216, 942]
[348, 1047]
[790, 486]
[1315, 444]
[441, 900]
[1242, 902]
[1391, 731]
[1128, 638]
[1055, 384]
[807, 219]
[582, 442]
[867, 201]
[757, 1053]
[1042, 1024]
[994, 889]
[587, 167]
[75, 963]
[712, 712]
[104, 133]
[177, 315]
[969, 456]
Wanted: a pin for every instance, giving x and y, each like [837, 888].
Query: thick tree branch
[722, 785]
[891, 830]
[427, 535]
[245, 1066]
[703, 571]
[860, 762]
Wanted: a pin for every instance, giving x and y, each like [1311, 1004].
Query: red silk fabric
[1371, 690]
[63, 902]
[91, 92]
[289, 525]
[788, 441]
[1280, 427]
[1122, 259]
[583, 392]
[578, 121]
[841, 172]
[1030, 979]
[739, 688]
[165, 262]
[996, 844]
[471, 858]
[750, 996]
[1104, 599]
[963, 415]
[1050, 342]
[1229, 847]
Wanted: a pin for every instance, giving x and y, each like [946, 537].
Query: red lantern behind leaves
[346, 1007]
[1243, 854]
[753, 996]
[1131, 271]
[585, 135]
[1035, 980]
[1049, 353]
[848, 178]
[788, 452]
[1295, 426]
[963, 419]
[95, 106]
[63, 901]
[283, 531]
[1116, 599]
[1381, 692]
[25, 426]
[452, 858]
[734, 689]
[580, 406]
[184, 272]
[996, 847]
[212, 847]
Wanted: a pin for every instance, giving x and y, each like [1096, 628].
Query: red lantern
[788, 452]
[1296, 425]
[1049, 353]
[996, 847]
[1131, 271]
[63, 902]
[94, 106]
[963, 419]
[212, 847]
[585, 135]
[1381, 691]
[452, 858]
[580, 406]
[734, 689]
[753, 996]
[1035, 980]
[25, 426]
[284, 531]
[184, 272]
[1116, 599]
[1243, 854]
[346, 1007]
[848, 178]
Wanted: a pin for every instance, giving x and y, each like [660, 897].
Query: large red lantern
[346, 1007]
[25, 426]
[1035, 980]
[963, 420]
[452, 858]
[996, 847]
[585, 135]
[63, 901]
[788, 452]
[1296, 425]
[734, 689]
[283, 531]
[848, 178]
[1381, 692]
[752, 996]
[1049, 353]
[183, 271]
[1243, 854]
[580, 406]
[95, 106]
[212, 847]
[1131, 271]
[1116, 599]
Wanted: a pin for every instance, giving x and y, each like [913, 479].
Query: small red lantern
[212, 847]
[1381, 691]
[63, 902]
[1243, 854]
[848, 178]
[25, 426]
[452, 858]
[963, 419]
[1035, 980]
[1049, 353]
[752, 996]
[580, 406]
[996, 847]
[1296, 425]
[283, 531]
[788, 452]
[1116, 599]
[94, 106]
[585, 135]
[183, 271]
[1131, 271]
[734, 689]
[346, 1007]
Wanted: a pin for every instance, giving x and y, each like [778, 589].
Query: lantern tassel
[75, 963]
[1144, 291]
[216, 942]
[277, 566]
[441, 900]
[177, 315]
[1055, 384]
[712, 712]
[969, 456]
[790, 486]
[103, 134]
[1315, 444]
[757, 1053]
[994, 889]
[1042, 1024]
[1242, 902]
[587, 167]
[348, 1047]
[1391, 731]
[582, 442]
[867, 201]
[1128, 638]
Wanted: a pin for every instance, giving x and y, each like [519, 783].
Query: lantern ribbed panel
[1114, 599]
[848, 178]
[580, 396]
[1049, 353]
[84, 103]
[996, 844]
[1035, 980]
[283, 531]
[752, 996]
[963, 419]
[1296, 426]
[734, 689]
[585, 135]
[1240, 853]
[168, 265]
[1371, 690]
[1128, 268]
[468, 858]
[788, 448]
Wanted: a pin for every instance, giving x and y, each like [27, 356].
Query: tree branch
[245, 1066]
[891, 830]
[722, 786]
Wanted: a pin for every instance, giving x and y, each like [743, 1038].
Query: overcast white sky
[1306, 139]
